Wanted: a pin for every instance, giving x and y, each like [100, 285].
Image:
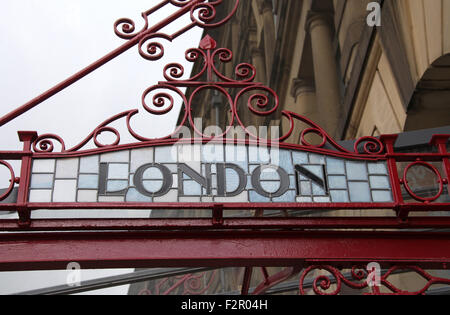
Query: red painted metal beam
[227, 224]
[240, 206]
[221, 249]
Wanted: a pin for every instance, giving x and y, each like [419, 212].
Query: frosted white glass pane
[257, 154]
[40, 196]
[305, 188]
[152, 173]
[293, 182]
[140, 157]
[304, 199]
[289, 196]
[232, 180]
[67, 168]
[322, 199]
[379, 182]
[243, 197]
[316, 159]
[89, 164]
[359, 192]
[300, 157]
[88, 181]
[192, 188]
[166, 154]
[43, 166]
[111, 199]
[270, 187]
[174, 181]
[189, 153]
[237, 155]
[269, 174]
[337, 182]
[284, 160]
[335, 166]
[135, 196]
[339, 196]
[190, 199]
[318, 190]
[171, 196]
[381, 196]
[212, 153]
[65, 191]
[116, 185]
[118, 157]
[118, 171]
[356, 171]
[378, 168]
[255, 197]
[87, 196]
[152, 186]
[42, 181]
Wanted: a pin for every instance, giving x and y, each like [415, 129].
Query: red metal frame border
[311, 243]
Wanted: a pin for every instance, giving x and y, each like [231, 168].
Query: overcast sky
[45, 41]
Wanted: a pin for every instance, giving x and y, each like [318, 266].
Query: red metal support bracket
[27, 137]
[389, 142]
[217, 215]
[441, 141]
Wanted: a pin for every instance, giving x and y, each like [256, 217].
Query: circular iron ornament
[159, 100]
[176, 133]
[372, 145]
[128, 28]
[44, 143]
[317, 132]
[207, 13]
[12, 180]
[153, 50]
[173, 71]
[100, 130]
[322, 282]
[262, 100]
[434, 170]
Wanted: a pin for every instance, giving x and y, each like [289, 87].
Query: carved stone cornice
[302, 86]
[316, 18]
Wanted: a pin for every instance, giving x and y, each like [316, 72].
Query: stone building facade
[326, 62]
[321, 56]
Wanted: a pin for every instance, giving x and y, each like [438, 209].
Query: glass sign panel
[213, 173]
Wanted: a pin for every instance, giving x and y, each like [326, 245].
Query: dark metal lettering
[204, 181]
[322, 182]
[221, 180]
[284, 181]
[103, 183]
[166, 178]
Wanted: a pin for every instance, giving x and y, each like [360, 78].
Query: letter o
[167, 180]
[284, 181]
